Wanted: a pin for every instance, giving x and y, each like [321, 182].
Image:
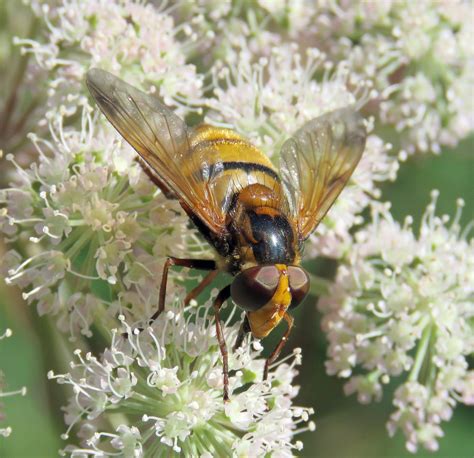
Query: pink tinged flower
[401, 304]
[84, 217]
[139, 42]
[415, 54]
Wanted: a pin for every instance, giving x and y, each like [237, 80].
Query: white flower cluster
[267, 108]
[130, 38]
[254, 27]
[86, 213]
[405, 304]
[252, 97]
[5, 431]
[418, 54]
[167, 381]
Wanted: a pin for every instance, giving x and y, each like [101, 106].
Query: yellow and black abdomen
[233, 161]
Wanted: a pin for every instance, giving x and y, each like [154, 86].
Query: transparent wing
[317, 162]
[161, 139]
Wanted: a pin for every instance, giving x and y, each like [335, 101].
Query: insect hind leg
[200, 264]
[155, 179]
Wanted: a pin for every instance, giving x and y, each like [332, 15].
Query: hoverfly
[255, 217]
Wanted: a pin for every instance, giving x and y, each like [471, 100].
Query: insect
[255, 217]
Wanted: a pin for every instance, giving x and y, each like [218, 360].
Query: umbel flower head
[94, 230]
[134, 40]
[5, 431]
[403, 304]
[164, 387]
[254, 27]
[419, 56]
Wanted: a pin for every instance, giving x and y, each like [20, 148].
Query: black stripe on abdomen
[246, 167]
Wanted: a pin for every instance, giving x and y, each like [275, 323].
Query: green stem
[431, 370]
[421, 353]
[56, 358]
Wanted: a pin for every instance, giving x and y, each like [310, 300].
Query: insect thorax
[261, 231]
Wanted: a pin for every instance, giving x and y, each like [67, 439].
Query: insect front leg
[289, 319]
[244, 329]
[223, 295]
[201, 264]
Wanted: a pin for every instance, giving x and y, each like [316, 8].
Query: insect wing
[317, 162]
[161, 139]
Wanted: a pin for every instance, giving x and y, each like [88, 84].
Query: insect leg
[276, 352]
[154, 178]
[202, 264]
[199, 288]
[244, 329]
[223, 295]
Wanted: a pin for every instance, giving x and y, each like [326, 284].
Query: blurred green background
[344, 427]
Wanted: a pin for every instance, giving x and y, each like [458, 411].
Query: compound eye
[299, 285]
[254, 287]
